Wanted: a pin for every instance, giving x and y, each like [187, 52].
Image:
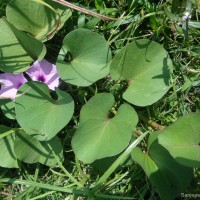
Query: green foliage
[182, 140]
[83, 58]
[146, 67]
[27, 149]
[7, 138]
[30, 150]
[99, 136]
[168, 176]
[8, 108]
[120, 81]
[39, 18]
[36, 111]
[17, 48]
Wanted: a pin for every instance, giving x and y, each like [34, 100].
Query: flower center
[18, 85]
[41, 78]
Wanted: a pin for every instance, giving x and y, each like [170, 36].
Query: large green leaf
[7, 154]
[17, 49]
[40, 115]
[39, 18]
[182, 140]
[168, 176]
[146, 67]
[30, 150]
[83, 58]
[99, 136]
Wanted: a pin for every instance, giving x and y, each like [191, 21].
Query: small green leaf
[182, 140]
[83, 58]
[40, 115]
[99, 136]
[146, 67]
[17, 49]
[30, 150]
[7, 154]
[168, 176]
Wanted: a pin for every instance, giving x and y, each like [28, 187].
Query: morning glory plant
[45, 72]
[10, 84]
[42, 71]
[125, 106]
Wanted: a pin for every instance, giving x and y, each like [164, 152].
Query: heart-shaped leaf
[182, 140]
[41, 19]
[146, 67]
[83, 58]
[7, 154]
[17, 49]
[30, 150]
[40, 115]
[168, 176]
[99, 136]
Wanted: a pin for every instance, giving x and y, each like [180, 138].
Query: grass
[144, 19]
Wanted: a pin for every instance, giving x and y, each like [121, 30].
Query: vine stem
[152, 123]
[9, 132]
[84, 10]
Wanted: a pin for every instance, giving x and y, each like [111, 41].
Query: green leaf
[99, 136]
[30, 150]
[40, 115]
[146, 67]
[39, 18]
[182, 140]
[168, 176]
[17, 49]
[8, 108]
[7, 154]
[104, 164]
[35, 49]
[83, 58]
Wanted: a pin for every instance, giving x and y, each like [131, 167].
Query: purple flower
[10, 84]
[45, 72]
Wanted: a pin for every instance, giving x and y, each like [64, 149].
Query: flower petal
[35, 70]
[15, 80]
[52, 81]
[8, 92]
[45, 72]
[10, 84]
